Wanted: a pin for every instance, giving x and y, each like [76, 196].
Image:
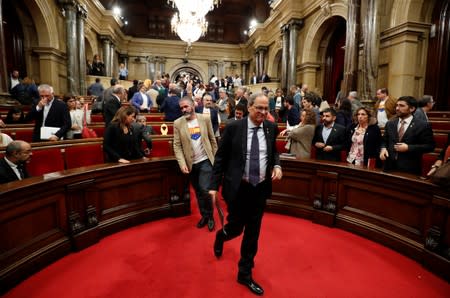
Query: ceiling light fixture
[195, 7]
[189, 29]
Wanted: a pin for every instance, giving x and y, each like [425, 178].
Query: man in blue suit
[246, 163]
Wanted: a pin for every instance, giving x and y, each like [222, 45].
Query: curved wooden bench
[76, 208]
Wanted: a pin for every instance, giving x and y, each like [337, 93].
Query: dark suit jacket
[419, 138]
[117, 145]
[58, 116]
[110, 107]
[372, 141]
[229, 162]
[214, 120]
[7, 174]
[336, 139]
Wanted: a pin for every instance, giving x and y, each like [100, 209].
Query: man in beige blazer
[194, 145]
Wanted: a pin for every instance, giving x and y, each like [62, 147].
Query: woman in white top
[76, 116]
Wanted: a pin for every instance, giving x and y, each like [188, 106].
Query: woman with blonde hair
[120, 142]
[300, 136]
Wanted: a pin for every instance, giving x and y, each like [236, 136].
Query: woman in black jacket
[363, 139]
[121, 142]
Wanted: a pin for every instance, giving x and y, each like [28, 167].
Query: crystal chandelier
[189, 28]
[198, 8]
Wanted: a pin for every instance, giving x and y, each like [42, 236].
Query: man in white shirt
[194, 145]
[14, 80]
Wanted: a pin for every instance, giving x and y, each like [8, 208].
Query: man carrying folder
[51, 116]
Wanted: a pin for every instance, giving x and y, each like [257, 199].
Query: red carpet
[172, 258]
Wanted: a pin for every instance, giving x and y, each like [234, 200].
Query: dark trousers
[245, 213]
[200, 177]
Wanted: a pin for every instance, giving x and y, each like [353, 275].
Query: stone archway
[276, 64]
[187, 68]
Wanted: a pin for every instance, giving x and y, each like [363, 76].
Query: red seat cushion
[45, 161]
[84, 155]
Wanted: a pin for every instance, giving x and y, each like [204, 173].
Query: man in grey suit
[246, 163]
[424, 106]
[194, 146]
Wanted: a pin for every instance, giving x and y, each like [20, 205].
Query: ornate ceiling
[151, 18]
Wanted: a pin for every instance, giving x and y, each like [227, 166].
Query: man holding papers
[51, 116]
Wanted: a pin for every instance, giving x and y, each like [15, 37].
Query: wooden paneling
[43, 219]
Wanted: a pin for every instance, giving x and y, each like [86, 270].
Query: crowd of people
[243, 157]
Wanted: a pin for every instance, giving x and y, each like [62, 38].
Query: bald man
[12, 166]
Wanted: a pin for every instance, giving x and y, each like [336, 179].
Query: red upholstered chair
[441, 140]
[281, 143]
[161, 148]
[428, 160]
[45, 161]
[99, 130]
[97, 118]
[444, 124]
[24, 135]
[84, 155]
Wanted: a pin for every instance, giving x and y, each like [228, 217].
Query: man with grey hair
[12, 166]
[113, 103]
[245, 164]
[356, 104]
[51, 116]
[425, 104]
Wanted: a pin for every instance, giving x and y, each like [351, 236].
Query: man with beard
[329, 137]
[194, 145]
[406, 139]
[12, 166]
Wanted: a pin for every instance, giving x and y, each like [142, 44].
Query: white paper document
[48, 131]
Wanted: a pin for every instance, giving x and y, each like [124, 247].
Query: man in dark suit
[49, 112]
[133, 89]
[207, 108]
[12, 166]
[329, 137]
[264, 78]
[113, 103]
[247, 161]
[406, 139]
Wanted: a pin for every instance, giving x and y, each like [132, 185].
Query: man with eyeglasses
[246, 163]
[425, 104]
[12, 166]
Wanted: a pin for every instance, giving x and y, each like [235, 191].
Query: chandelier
[189, 28]
[190, 23]
[197, 8]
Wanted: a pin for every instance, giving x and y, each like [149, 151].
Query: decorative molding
[406, 29]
